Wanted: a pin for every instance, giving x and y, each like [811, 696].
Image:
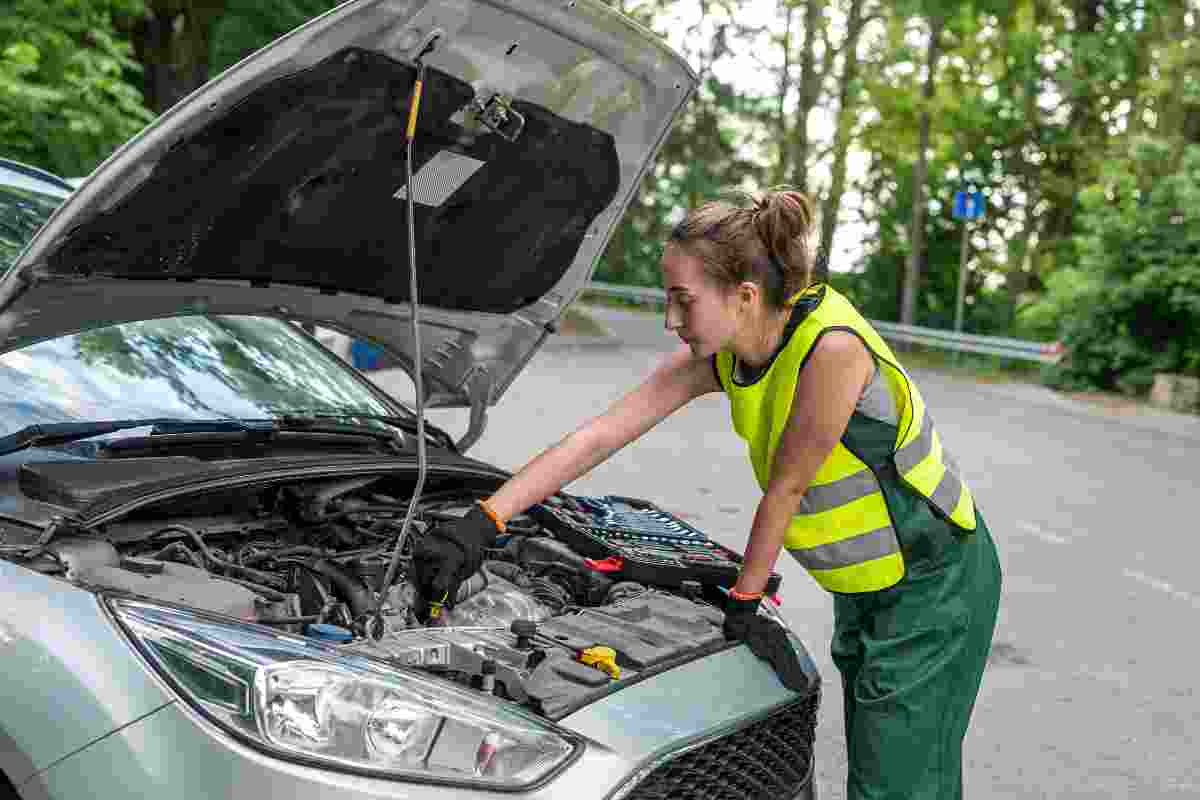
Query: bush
[1133, 309]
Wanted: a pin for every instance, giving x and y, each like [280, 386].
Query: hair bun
[784, 218]
[787, 207]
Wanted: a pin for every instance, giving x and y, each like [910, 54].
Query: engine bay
[540, 624]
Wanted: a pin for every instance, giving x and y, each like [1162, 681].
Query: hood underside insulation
[299, 183]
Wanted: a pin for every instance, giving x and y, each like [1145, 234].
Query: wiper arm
[53, 433]
[57, 433]
[403, 423]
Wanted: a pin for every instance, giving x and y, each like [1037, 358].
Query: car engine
[538, 624]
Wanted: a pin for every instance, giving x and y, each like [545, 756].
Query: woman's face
[702, 314]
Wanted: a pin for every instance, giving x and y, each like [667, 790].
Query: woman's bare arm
[678, 379]
[826, 394]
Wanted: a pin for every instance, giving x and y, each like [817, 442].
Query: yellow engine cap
[602, 658]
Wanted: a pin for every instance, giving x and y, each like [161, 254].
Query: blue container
[328, 633]
[364, 355]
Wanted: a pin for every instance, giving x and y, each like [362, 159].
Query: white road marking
[1163, 586]
[1045, 536]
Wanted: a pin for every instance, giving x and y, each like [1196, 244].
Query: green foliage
[66, 98]
[249, 25]
[1137, 310]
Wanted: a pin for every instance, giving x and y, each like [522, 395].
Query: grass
[980, 367]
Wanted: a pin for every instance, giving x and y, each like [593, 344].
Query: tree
[912, 274]
[249, 25]
[849, 89]
[183, 43]
[67, 90]
[1136, 307]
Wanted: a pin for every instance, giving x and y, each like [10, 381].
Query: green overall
[912, 656]
[890, 528]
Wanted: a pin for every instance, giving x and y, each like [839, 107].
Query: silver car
[206, 517]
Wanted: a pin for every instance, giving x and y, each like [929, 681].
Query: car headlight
[304, 700]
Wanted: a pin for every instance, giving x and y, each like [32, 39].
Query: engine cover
[645, 631]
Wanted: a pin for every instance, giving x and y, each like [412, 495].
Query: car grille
[769, 759]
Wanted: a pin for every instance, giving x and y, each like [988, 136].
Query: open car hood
[278, 187]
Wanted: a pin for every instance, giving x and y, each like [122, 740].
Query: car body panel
[60, 655]
[175, 752]
[284, 220]
[693, 700]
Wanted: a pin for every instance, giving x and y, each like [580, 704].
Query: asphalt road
[1091, 690]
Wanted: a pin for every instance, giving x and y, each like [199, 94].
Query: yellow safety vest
[843, 533]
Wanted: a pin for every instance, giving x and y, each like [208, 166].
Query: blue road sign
[968, 205]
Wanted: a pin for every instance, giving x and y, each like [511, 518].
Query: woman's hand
[739, 612]
[450, 553]
[766, 638]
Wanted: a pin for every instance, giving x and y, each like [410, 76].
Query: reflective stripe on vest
[925, 465]
[842, 532]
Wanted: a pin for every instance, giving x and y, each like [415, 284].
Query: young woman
[857, 485]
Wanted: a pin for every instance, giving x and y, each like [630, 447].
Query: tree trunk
[785, 86]
[171, 43]
[152, 48]
[810, 91]
[841, 142]
[916, 256]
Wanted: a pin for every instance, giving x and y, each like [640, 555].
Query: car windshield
[25, 205]
[189, 367]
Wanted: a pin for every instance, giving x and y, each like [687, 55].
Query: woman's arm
[680, 378]
[827, 392]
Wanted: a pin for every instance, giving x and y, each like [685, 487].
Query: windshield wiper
[54, 433]
[58, 433]
[439, 436]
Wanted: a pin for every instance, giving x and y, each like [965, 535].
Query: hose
[210, 559]
[414, 301]
[356, 593]
[174, 549]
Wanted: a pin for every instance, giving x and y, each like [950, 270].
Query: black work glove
[450, 553]
[769, 641]
[738, 614]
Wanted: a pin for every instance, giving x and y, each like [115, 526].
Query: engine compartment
[538, 624]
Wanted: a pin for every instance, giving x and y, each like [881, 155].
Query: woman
[856, 485]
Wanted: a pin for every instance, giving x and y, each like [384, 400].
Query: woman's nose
[671, 318]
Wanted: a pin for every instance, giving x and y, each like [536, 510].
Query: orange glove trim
[492, 515]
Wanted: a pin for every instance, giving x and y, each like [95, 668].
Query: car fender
[70, 677]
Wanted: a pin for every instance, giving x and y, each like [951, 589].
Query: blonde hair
[763, 238]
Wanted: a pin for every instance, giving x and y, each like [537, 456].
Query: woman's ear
[749, 293]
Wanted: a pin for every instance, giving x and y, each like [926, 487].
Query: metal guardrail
[1002, 346]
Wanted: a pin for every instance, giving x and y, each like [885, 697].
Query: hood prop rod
[375, 627]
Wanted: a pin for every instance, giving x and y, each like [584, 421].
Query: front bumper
[695, 732]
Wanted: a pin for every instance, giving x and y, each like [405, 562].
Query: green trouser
[912, 658]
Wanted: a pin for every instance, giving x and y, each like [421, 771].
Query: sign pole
[962, 279]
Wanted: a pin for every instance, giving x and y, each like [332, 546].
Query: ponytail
[763, 238]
